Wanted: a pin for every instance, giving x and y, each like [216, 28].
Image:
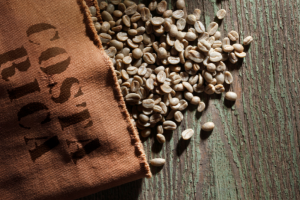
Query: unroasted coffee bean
[204, 45]
[128, 3]
[191, 19]
[173, 31]
[228, 77]
[146, 132]
[93, 10]
[201, 107]
[248, 40]
[178, 14]
[195, 56]
[161, 77]
[126, 20]
[227, 48]
[149, 58]
[106, 16]
[207, 76]
[167, 14]
[187, 134]
[143, 118]
[233, 58]
[161, 7]
[97, 26]
[212, 28]
[155, 118]
[203, 36]
[104, 27]
[238, 47]
[157, 21]
[160, 129]
[188, 95]
[240, 55]
[117, 44]
[220, 78]
[219, 89]
[180, 4]
[221, 67]
[157, 162]
[146, 14]
[131, 10]
[199, 27]
[188, 86]
[178, 116]
[132, 70]
[111, 51]
[152, 6]
[105, 38]
[157, 109]
[215, 56]
[195, 100]
[210, 89]
[208, 126]
[216, 44]
[132, 98]
[231, 96]
[148, 103]
[173, 60]
[166, 88]
[211, 67]
[102, 5]
[217, 35]
[180, 24]
[233, 36]
[137, 53]
[127, 60]
[137, 39]
[115, 2]
[190, 36]
[183, 104]
[110, 8]
[169, 125]
[149, 84]
[161, 138]
[221, 14]
[174, 101]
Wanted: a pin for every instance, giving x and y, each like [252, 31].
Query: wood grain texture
[253, 153]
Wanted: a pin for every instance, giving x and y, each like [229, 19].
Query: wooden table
[253, 153]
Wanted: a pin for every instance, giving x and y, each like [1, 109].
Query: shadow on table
[205, 134]
[123, 192]
[181, 146]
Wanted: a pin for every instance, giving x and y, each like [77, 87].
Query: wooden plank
[253, 153]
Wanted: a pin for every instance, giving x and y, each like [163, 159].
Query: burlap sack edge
[117, 90]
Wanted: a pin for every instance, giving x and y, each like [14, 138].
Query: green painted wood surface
[253, 153]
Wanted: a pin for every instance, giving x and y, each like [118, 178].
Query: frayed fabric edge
[122, 106]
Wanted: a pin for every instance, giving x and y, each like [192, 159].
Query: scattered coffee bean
[187, 134]
[208, 126]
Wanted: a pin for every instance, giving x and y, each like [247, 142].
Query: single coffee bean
[221, 14]
[233, 36]
[157, 162]
[231, 96]
[161, 138]
[187, 134]
[146, 132]
[208, 126]
[169, 125]
[201, 107]
[248, 40]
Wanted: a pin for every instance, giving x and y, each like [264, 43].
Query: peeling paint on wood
[253, 153]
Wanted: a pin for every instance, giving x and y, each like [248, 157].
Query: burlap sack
[64, 129]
